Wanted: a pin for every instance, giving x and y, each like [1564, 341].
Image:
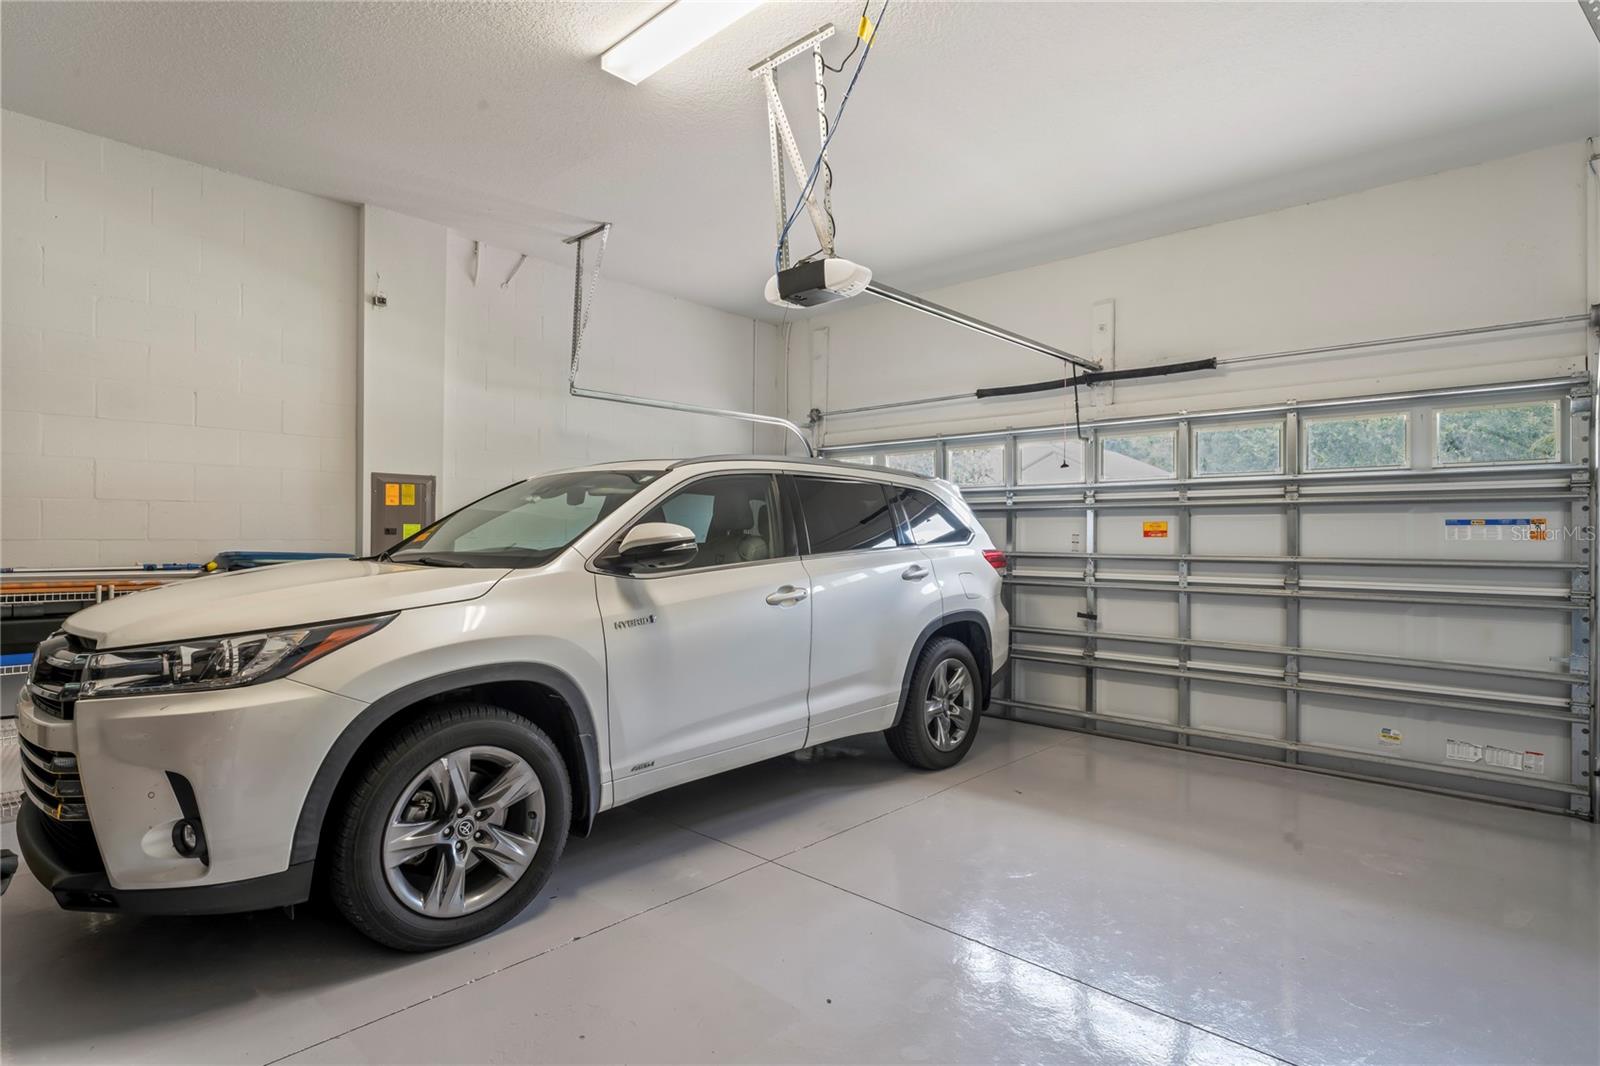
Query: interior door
[707, 663]
[872, 597]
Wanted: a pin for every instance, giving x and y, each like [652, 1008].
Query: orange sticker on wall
[391, 494]
[1155, 529]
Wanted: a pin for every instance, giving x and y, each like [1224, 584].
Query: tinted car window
[846, 516]
[930, 521]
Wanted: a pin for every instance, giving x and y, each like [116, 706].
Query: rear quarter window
[931, 521]
[845, 515]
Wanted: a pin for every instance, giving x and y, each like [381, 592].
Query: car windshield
[527, 524]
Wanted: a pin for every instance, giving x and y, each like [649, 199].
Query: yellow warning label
[408, 494]
[1155, 529]
[410, 529]
[391, 494]
[1390, 737]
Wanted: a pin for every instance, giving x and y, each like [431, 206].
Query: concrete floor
[1056, 897]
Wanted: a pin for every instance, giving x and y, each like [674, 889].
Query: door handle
[786, 595]
[914, 572]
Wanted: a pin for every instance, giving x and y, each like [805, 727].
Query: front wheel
[453, 828]
[939, 721]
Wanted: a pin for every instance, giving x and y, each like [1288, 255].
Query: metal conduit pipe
[1590, 319]
[580, 323]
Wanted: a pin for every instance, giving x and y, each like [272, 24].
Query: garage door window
[844, 516]
[1505, 433]
[1040, 462]
[1136, 456]
[855, 460]
[976, 465]
[1256, 449]
[1366, 442]
[919, 462]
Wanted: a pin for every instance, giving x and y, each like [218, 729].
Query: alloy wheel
[949, 705]
[463, 832]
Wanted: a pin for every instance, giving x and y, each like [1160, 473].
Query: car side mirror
[657, 546]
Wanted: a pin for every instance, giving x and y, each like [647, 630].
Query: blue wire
[833, 127]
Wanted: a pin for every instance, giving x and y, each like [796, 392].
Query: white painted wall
[468, 381]
[1498, 242]
[177, 359]
[402, 351]
[507, 412]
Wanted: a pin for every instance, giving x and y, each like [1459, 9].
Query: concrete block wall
[178, 354]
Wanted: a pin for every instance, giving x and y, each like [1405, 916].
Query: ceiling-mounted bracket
[781, 142]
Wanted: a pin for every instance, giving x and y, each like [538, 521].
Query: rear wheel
[453, 828]
[939, 720]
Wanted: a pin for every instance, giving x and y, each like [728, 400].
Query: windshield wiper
[431, 560]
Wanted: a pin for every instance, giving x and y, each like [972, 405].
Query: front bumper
[248, 755]
[70, 872]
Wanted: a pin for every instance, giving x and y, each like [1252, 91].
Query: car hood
[275, 597]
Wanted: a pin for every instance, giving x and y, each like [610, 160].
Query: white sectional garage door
[1390, 587]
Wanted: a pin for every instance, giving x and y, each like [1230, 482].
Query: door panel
[708, 664]
[871, 600]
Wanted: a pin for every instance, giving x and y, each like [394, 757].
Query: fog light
[188, 839]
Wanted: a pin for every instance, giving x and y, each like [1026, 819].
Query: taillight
[995, 558]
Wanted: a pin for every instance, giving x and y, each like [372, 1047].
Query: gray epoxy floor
[1056, 897]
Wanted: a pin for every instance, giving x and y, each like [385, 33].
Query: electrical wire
[857, 44]
[833, 128]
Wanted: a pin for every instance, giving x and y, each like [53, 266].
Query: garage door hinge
[1575, 663]
[1580, 584]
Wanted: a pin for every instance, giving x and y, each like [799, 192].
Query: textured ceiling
[981, 137]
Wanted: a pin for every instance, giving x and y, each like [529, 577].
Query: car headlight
[218, 662]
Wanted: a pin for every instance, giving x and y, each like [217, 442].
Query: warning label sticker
[1496, 529]
[1526, 762]
[1155, 529]
[1390, 737]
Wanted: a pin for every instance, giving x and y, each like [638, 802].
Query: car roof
[749, 460]
[795, 460]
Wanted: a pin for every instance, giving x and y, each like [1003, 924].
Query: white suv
[425, 727]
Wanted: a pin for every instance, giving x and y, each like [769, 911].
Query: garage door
[1393, 587]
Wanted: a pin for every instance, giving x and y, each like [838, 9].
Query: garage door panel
[1050, 684]
[1137, 532]
[1449, 580]
[1513, 749]
[1152, 699]
[1052, 608]
[1419, 530]
[1050, 531]
[1239, 531]
[1238, 619]
[1145, 613]
[1237, 709]
[1523, 639]
[1250, 663]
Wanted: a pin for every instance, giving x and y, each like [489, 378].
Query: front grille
[57, 676]
[51, 781]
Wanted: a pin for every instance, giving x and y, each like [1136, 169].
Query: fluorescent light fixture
[674, 30]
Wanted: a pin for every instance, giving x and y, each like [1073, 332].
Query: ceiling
[980, 138]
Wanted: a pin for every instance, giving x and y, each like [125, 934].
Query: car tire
[472, 871]
[944, 703]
